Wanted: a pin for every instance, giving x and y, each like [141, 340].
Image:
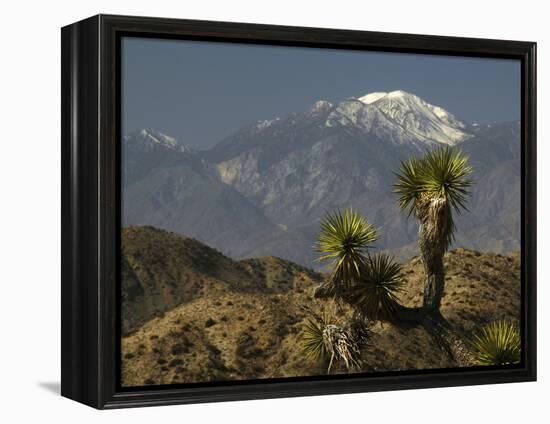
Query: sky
[200, 92]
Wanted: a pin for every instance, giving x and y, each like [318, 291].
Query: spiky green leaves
[344, 239]
[409, 186]
[442, 173]
[446, 176]
[499, 343]
[375, 293]
[430, 187]
[369, 283]
[313, 343]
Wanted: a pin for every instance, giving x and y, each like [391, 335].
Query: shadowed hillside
[161, 270]
[209, 318]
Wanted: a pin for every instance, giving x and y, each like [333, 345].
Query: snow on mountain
[319, 107]
[263, 189]
[400, 117]
[260, 125]
[372, 97]
[428, 122]
[150, 138]
[397, 117]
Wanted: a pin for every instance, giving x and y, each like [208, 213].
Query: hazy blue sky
[200, 92]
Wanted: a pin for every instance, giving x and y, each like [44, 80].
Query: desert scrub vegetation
[498, 343]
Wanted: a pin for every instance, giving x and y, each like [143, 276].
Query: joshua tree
[431, 188]
[344, 240]
[367, 282]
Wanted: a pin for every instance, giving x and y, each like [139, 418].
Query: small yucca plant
[375, 293]
[344, 240]
[498, 343]
[324, 339]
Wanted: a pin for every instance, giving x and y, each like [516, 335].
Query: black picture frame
[91, 209]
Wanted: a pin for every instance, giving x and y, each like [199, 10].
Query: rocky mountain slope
[263, 190]
[244, 320]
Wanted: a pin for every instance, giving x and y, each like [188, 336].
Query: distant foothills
[263, 190]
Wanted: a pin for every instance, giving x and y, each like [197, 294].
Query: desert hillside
[162, 270]
[190, 314]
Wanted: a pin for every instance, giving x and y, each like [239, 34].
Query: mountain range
[263, 190]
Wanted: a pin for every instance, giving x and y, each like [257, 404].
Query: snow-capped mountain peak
[400, 117]
[151, 138]
[397, 117]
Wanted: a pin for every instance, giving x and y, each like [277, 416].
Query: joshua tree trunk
[433, 235]
[435, 280]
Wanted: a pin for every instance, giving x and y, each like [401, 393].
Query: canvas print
[298, 212]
